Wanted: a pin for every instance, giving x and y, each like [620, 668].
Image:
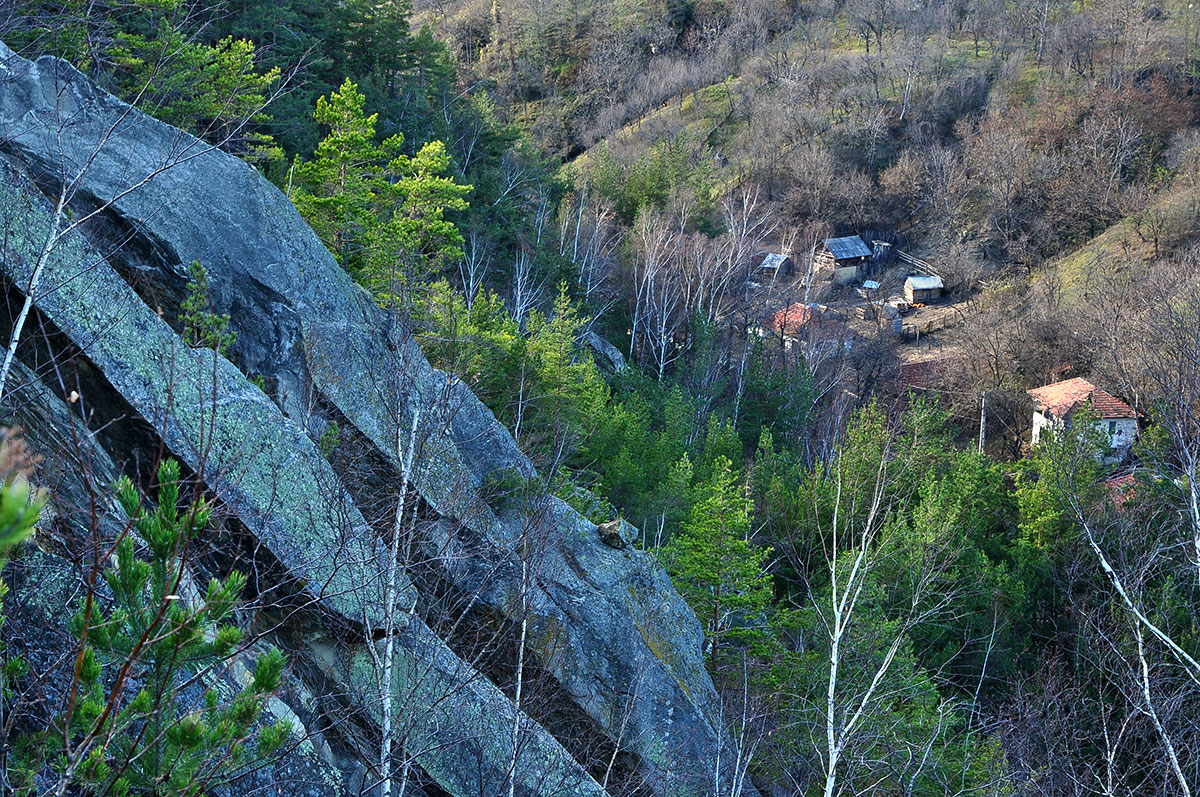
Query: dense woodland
[897, 597]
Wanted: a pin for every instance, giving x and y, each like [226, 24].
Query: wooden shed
[774, 264]
[848, 257]
[922, 288]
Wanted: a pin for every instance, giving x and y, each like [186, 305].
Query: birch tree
[887, 556]
[589, 236]
[659, 292]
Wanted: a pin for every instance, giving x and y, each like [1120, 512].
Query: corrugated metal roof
[923, 283]
[850, 246]
[774, 260]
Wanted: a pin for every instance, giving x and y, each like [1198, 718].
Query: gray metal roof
[923, 283]
[850, 246]
[774, 260]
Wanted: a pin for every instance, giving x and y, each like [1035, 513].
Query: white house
[1053, 405]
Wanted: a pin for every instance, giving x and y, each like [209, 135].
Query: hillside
[1003, 147]
[670, 397]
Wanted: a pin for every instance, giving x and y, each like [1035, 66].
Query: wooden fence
[923, 326]
[916, 264]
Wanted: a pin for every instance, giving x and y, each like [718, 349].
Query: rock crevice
[614, 633]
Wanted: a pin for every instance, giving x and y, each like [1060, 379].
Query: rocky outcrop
[48, 584]
[263, 468]
[606, 353]
[616, 533]
[603, 621]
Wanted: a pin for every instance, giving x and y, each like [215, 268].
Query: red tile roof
[1061, 398]
[791, 319]
[1107, 405]
[926, 374]
[1121, 488]
[805, 319]
[1120, 482]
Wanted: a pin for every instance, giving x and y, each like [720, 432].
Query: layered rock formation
[604, 624]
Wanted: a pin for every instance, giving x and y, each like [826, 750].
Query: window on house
[1112, 426]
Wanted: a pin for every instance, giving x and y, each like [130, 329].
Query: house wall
[844, 275]
[787, 269]
[1121, 431]
[1041, 421]
[923, 296]
[772, 335]
[844, 271]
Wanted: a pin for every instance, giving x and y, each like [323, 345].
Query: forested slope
[564, 207]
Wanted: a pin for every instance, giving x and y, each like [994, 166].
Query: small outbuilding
[921, 289]
[811, 325]
[848, 257]
[774, 264]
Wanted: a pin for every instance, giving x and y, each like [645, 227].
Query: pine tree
[130, 729]
[567, 393]
[716, 566]
[203, 327]
[20, 509]
[379, 211]
[213, 90]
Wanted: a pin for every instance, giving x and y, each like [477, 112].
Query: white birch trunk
[389, 649]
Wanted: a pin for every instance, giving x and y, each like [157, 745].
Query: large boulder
[607, 623]
[606, 353]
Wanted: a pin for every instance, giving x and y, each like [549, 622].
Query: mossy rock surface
[456, 724]
[259, 464]
[302, 322]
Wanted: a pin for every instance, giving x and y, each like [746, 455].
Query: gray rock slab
[304, 516]
[260, 465]
[301, 320]
[452, 721]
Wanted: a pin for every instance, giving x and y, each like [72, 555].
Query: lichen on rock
[303, 323]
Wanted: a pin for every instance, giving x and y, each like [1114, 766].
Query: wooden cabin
[774, 265]
[922, 289]
[848, 257]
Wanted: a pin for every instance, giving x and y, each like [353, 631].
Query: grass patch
[1131, 243]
